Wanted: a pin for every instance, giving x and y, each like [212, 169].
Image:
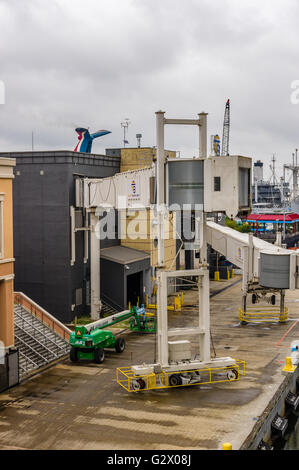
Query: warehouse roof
[62, 156]
[123, 255]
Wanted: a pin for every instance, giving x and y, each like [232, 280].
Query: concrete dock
[81, 406]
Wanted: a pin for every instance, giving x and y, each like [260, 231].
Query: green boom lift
[89, 341]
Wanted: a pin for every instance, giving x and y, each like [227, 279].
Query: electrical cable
[212, 342]
[104, 200]
[98, 183]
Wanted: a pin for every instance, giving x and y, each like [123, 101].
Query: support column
[95, 267]
[282, 304]
[203, 135]
[204, 316]
[203, 242]
[162, 319]
[189, 259]
[244, 299]
[160, 175]
[245, 277]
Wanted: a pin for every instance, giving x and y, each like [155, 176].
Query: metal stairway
[38, 344]
[107, 309]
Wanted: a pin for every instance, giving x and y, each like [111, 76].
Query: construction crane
[226, 126]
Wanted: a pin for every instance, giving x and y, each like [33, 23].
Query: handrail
[40, 313]
[256, 315]
[110, 301]
[35, 328]
[35, 339]
[27, 359]
[28, 346]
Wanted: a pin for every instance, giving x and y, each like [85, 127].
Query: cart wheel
[138, 384]
[174, 380]
[120, 344]
[233, 374]
[141, 383]
[273, 299]
[135, 385]
[74, 355]
[99, 355]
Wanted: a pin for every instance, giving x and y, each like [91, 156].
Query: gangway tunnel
[266, 268]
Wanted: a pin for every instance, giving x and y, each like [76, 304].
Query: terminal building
[44, 192]
[51, 238]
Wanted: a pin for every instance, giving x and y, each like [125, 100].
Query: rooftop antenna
[125, 124]
[138, 137]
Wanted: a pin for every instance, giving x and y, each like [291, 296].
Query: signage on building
[134, 189]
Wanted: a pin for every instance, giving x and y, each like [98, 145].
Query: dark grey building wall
[113, 152]
[113, 285]
[43, 191]
[111, 218]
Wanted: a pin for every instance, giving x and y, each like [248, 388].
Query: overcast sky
[69, 63]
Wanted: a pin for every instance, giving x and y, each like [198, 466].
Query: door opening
[134, 288]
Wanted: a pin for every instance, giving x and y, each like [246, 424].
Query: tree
[244, 227]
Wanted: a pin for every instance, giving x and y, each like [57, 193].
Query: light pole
[138, 137]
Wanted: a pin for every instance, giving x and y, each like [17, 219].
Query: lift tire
[174, 380]
[74, 355]
[254, 298]
[273, 299]
[120, 344]
[99, 355]
[233, 374]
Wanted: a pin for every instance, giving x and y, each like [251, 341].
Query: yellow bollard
[177, 303]
[182, 298]
[216, 276]
[129, 306]
[233, 273]
[146, 300]
[228, 276]
[289, 366]
[227, 446]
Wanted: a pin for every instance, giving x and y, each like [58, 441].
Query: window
[217, 183]
[78, 296]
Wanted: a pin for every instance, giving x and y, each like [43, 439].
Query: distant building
[266, 195]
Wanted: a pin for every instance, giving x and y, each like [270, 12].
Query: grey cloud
[94, 63]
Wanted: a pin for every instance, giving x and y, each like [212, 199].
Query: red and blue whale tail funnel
[85, 139]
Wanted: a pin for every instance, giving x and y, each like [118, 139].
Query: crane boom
[226, 128]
